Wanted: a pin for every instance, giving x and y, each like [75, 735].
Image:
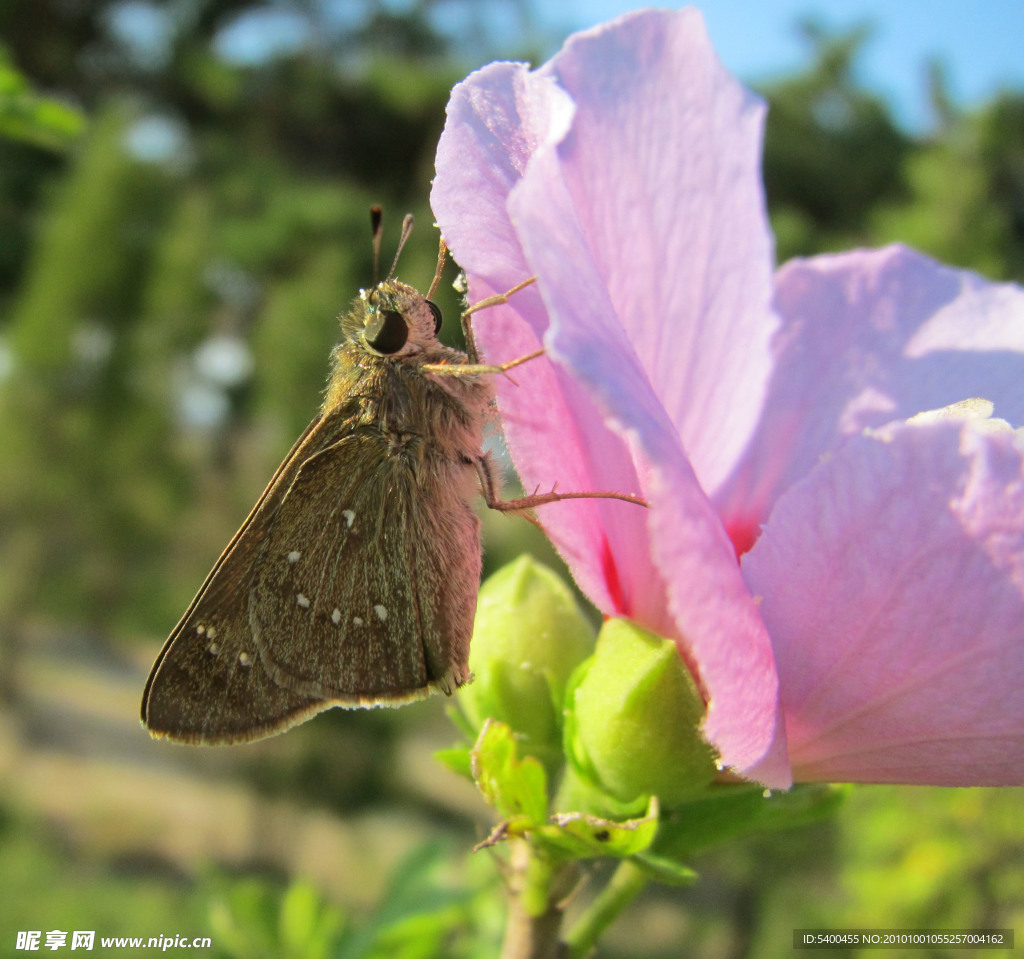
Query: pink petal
[892, 580]
[662, 163]
[644, 226]
[496, 119]
[709, 606]
[868, 337]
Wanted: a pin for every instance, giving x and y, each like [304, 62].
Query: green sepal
[633, 718]
[726, 812]
[517, 789]
[578, 792]
[528, 635]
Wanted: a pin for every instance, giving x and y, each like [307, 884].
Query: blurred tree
[68, 410]
[832, 150]
[840, 173]
[1001, 139]
[34, 129]
[215, 202]
[28, 116]
[169, 286]
[965, 199]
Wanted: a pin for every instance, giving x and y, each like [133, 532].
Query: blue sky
[981, 42]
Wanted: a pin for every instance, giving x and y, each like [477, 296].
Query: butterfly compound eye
[438, 318]
[387, 331]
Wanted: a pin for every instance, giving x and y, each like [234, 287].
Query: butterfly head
[395, 319]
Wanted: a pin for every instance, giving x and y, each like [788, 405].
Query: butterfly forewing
[321, 597]
[201, 688]
[338, 606]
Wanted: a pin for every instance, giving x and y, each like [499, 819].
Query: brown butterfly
[353, 581]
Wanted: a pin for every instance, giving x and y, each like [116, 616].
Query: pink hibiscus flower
[847, 587]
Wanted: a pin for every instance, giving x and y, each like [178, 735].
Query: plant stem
[626, 883]
[536, 893]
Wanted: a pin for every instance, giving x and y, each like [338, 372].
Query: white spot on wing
[336, 616]
[293, 556]
[357, 620]
[381, 612]
[213, 649]
[302, 601]
[212, 632]
[350, 517]
[244, 660]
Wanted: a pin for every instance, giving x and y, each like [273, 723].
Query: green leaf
[253, 921]
[457, 759]
[307, 927]
[665, 870]
[581, 836]
[417, 909]
[726, 812]
[516, 788]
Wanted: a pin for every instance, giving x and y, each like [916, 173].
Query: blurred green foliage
[26, 115]
[179, 223]
[425, 913]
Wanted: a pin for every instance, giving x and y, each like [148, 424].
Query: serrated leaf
[581, 836]
[516, 788]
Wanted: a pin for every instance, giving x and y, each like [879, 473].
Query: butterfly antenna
[377, 230]
[436, 282]
[406, 230]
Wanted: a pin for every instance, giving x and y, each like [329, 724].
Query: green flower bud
[529, 635]
[634, 720]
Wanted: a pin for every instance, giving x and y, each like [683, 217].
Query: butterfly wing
[366, 586]
[342, 588]
[190, 676]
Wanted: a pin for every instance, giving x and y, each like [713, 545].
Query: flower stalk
[626, 884]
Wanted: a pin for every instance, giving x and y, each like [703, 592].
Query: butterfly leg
[474, 366]
[474, 369]
[489, 487]
[467, 327]
[497, 300]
